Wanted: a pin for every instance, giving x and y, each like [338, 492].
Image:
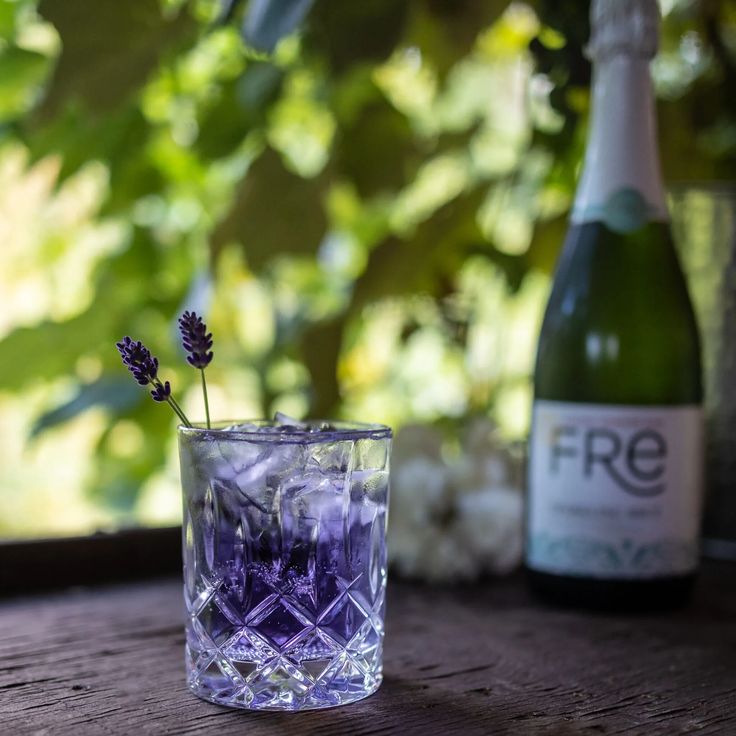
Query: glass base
[283, 685]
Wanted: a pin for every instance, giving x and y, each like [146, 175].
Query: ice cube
[244, 472]
[369, 485]
[241, 427]
[289, 424]
[332, 457]
[287, 421]
[314, 495]
[371, 454]
[236, 456]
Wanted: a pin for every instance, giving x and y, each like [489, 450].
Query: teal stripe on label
[569, 555]
[624, 211]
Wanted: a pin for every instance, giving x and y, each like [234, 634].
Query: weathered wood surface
[466, 661]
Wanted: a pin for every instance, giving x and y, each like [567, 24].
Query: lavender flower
[138, 360]
[162, 393]
[197, 342]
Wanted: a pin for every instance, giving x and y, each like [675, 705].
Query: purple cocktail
[285, 562]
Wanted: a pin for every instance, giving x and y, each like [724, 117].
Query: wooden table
[471, 660]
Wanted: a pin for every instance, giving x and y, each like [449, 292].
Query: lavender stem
[178, 411]
[175, 406]
[206, 401]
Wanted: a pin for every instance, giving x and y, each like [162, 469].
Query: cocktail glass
[284, 562]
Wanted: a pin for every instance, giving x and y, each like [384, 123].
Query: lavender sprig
[138, 360]
[196, 340]
[198, 343]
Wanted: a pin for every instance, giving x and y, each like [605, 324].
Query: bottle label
[614, 491]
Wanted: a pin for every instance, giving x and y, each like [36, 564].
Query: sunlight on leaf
[21, 75]
[437, 183]
[300, 127]
[511, 34]
[110, 393]
[411, 87]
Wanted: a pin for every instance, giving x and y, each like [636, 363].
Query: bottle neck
[621, 183]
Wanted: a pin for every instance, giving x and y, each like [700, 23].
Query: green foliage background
[368, 217]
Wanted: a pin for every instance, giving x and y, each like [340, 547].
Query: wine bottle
[615, 462]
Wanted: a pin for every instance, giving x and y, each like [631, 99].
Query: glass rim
[339, 431]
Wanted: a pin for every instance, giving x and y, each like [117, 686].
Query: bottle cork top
[629, 27]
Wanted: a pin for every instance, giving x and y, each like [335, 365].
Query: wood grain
[465, 661]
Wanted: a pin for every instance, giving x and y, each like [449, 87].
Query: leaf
[114, 393]
[349, 33]
[686, 128]
[446, 30]
[240, 104]
[268, 21]
[320, 350]
[8, 20]
[377, 150]
[274, 212]
[423, 262]
[118, 138]
[21, 72]
[127, 293]
[109, 49]
[47, 350]
[463, 20]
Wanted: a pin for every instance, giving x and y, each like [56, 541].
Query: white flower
[452, 521]
[447, 560]
[417, 440]
[489, 521]
[418, 490]
[420, 501]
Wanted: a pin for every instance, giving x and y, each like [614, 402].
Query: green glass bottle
[615, 462]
